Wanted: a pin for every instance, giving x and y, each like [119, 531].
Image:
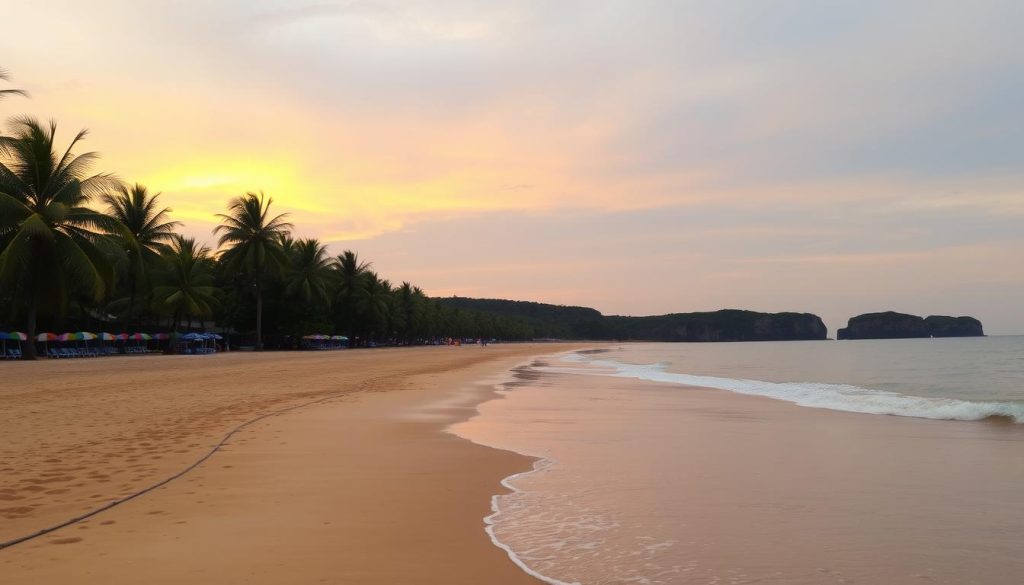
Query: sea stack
[893, 325]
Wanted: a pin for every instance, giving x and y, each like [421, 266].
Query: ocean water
[765, 463]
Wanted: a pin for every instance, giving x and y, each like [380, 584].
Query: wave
[491, 520]
[820, 395]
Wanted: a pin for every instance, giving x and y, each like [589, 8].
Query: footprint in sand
[66, 540]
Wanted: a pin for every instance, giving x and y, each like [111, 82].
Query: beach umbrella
[107, 337]
[191, 337]
[215, 336]
[160, 336]
[46, 338]
[121, 337]
[140, 337]
[67, 337]
[86, 336]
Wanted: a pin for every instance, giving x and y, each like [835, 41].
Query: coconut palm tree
[404, 310]
[4, 76]
[375, 303]
[253, 241]
[51, 243]
[350, 278]
[148, 227]
[310, 274]
[184, 281]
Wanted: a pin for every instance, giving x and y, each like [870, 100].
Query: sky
[638, 157]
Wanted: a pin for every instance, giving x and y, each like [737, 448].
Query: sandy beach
[357, 486]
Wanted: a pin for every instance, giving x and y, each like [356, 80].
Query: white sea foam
[817, 395]
[500, 384]
[493, 518]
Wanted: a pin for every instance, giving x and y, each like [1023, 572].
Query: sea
[875, 461]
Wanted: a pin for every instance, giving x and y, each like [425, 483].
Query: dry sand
[358, 487]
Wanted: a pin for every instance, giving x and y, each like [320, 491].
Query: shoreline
[841, 497]
[378, 442]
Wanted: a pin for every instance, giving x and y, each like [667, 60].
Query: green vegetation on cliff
[562, 322]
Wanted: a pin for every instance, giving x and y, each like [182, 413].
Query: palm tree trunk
[131, 300]
[30, 331]
[259, 318]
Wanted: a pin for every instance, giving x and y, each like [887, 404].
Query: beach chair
[53, 353]
[16, 352]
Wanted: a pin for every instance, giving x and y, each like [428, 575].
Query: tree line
[81, 249]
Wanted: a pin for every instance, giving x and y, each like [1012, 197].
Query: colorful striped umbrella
[67, 337]
[46, 337]
[121, 337]
[14, 336]
[160, 336]
[140, 337]
[85, 336]
[107, 336]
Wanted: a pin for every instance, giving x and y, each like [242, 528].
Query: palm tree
[310, 275]
[148, 227]
[185, 281]
[375, 303]
[50, 241]
[405, 310]
[4, 76]
[350, 275]
[253, 241]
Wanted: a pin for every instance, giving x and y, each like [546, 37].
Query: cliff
[724, 325]
[892, 325]
[946, 326]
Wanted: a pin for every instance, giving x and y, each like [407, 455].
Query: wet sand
[359, 487]
[676, 484]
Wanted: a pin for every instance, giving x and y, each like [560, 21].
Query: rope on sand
[163, 482]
